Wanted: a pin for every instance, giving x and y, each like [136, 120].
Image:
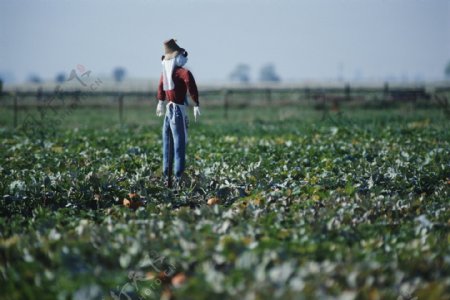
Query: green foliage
[351, 207]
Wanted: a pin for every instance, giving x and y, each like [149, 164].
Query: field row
[351, 205]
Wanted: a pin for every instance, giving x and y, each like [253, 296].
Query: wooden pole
[225, 103]
[348, 95]
[386, 91]
[16, 110]
[39, 94]
[269, 96]
[307, 95]
[121, 108]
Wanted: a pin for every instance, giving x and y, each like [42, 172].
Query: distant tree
[60, 77]
[241, 73]
[7, 77]
[268, 74]
[34, 78]
[119, 74]
[447, 71]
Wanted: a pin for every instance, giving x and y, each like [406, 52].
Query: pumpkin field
[276, 203]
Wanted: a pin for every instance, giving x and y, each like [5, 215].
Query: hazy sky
[305, 40]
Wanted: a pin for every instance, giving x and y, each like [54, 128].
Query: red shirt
[184, 81]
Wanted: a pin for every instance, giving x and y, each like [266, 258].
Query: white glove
[196, 112]
[160, 108]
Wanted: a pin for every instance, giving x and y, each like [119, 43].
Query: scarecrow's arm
[192, 87]
[161, 93]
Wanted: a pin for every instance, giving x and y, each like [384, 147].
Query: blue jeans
[174, 141]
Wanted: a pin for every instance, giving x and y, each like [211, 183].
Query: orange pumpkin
[213, 201]
[132, 201]
[179, 279]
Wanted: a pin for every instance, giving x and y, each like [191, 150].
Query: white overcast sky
[305, 40]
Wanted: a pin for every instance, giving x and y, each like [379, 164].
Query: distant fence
[320, 97]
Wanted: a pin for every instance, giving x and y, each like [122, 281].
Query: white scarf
[168, 67]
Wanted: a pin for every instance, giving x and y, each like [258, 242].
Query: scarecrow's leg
[167, 151]
[178, 130]
[171, 154]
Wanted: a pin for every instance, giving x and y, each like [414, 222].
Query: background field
[313, 204]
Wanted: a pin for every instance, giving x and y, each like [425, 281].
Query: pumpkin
[133, 201]
[179, 279]
[213, 201]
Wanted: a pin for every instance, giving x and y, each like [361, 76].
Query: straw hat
[171, 49]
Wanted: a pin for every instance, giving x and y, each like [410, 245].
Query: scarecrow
[174, 83]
